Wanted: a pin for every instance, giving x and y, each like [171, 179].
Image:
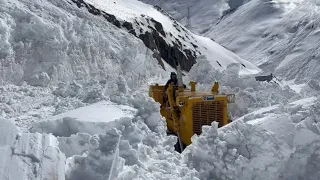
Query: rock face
[154, 39]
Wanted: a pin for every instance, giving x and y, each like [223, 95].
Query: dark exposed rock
[167, 52]
[195, 46]
[159, 27]
[112, 19]
[129, 27]
[153, 39]
[219, 63]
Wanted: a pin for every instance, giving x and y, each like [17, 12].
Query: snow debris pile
[282, 143]
[25, 104]
[250, 94]
[132, 151]
[276, 136]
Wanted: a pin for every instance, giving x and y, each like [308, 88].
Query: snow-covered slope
[203, 14]
[160, 32]
[280, 36]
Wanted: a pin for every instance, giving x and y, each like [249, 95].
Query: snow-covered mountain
[39, 58]
[279, 36]
[163, 34]
[201, 14]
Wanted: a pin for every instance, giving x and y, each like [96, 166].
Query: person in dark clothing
[173, 80]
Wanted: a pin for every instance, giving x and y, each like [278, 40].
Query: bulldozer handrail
[231, 98]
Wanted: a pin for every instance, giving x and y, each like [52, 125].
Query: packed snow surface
[91, 119]
[102, 111]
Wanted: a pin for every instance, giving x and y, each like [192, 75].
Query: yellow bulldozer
[186, 111]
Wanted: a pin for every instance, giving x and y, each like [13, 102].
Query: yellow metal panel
[173, 108]
[225, 112]
[198, 112]
[186, 131]
[156, 92]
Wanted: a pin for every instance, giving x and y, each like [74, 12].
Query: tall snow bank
[279, 144]
[29, 156]
[48, 42]
[27, 104]
[129, 147]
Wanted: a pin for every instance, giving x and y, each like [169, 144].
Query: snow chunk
[41, 79]
[76, 144]
[8, 131]
[92, 119]
[103, 111]
[30, 156]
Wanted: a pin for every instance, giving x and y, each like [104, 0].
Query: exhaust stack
[179, 76]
